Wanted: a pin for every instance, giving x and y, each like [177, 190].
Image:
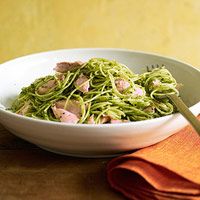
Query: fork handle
[184, 110]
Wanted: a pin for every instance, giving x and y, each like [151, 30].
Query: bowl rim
[53, 123]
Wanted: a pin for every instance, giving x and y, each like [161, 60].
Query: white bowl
[92, 140]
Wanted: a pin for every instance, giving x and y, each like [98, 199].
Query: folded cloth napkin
[167, 170]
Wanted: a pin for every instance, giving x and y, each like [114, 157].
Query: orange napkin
[167, 170]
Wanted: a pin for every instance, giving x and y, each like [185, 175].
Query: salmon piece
[138, 92]
[24, 109]
[116, 121]
[61, 77]
[60, 103]
[72, 106]
[64, 115]
[149, 109]
[84, 81]
[43, 89]
[51, 84]
[67, 66]
[121, 84]
[104, 119]
[91, 120]
[156, 82]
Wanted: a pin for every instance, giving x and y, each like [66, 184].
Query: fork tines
[152, 67]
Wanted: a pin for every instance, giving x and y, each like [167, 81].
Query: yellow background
[168, 27]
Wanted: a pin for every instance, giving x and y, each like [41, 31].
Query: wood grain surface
[28, 173]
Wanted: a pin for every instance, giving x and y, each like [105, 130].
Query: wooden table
[28, 173]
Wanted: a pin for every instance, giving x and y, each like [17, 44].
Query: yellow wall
[169, 27]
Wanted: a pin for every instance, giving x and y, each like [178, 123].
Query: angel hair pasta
[96, 92]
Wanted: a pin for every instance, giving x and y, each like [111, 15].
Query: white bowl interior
[21, 72]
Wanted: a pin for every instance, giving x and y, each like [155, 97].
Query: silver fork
[183, 109]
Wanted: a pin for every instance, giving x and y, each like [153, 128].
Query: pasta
[97, 91]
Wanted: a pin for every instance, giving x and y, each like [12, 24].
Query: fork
[178, 102]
